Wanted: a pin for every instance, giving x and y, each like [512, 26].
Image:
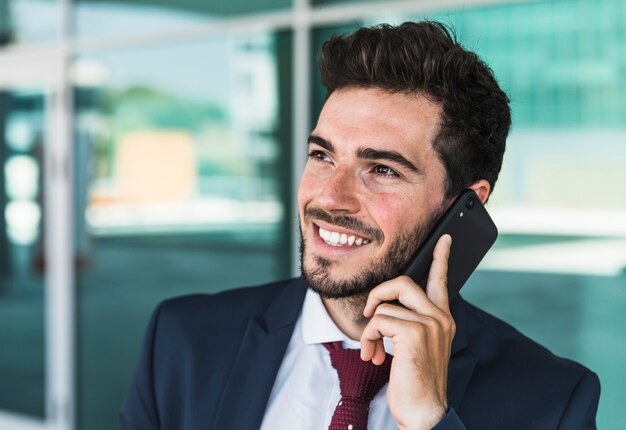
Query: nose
[338, 192]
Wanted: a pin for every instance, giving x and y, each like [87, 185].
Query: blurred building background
[153, 148]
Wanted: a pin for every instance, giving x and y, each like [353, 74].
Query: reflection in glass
[182, 179]
[188, 153]
[21, 277]
[21, 173]
[29, 21]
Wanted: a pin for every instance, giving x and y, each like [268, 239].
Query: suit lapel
[263, 347]
[462, 363]
[257, 362]
[459, 375]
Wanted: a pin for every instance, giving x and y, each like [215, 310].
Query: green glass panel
[561, 62]
[29, 21]
[21, 253]
[185, 153]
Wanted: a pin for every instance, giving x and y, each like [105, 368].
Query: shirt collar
[318, 327]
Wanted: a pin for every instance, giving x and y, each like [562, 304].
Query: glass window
[29, 21]
[114, 18]
[184, 153]
[21, 252]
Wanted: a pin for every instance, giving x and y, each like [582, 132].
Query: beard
[356, 288]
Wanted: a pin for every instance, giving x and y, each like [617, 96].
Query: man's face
[371, 189]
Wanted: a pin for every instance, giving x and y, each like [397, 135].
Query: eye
[383, 170]
[318, 155]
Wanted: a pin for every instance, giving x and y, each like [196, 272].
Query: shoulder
[496, 338]
[229, 306]
[196, 326]
[515, 375]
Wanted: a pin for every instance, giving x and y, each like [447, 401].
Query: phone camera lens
[469, 204]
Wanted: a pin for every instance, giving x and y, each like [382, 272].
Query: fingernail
[447, 239]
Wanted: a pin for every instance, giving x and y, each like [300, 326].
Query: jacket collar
[463, 360]
[256, 364]
[458, 308]
[265, 341]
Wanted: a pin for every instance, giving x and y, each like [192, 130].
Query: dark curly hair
[426, 58]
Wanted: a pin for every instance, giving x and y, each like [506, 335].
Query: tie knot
[358, 379]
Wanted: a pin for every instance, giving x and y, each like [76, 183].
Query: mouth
[338, 238]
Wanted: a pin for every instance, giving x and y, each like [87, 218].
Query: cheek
[394, 212]
[401, 212]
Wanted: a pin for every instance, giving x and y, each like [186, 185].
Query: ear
[482, 189]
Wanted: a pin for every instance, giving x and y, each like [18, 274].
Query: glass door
[36, 308]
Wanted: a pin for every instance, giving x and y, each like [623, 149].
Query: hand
[422, 333]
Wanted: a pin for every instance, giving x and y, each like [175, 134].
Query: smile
[334, 238]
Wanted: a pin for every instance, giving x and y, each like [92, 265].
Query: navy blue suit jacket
[209, 362]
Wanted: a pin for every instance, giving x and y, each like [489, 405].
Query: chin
[320, 278]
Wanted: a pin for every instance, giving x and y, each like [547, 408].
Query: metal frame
[60, 302]
[302, 113]
[22, 65]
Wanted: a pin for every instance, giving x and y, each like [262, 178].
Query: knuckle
[448, 324]
[430, 322]
[384, 308]
[405, 279]
[419, 331]
[369, 334]
[379, 318]
[405, 282]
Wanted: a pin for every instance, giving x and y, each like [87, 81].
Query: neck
[347, 314]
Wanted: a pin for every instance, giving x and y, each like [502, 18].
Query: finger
[382, 326]
[399, 312]
[372, 345]
[437, 284]
[380, 355]
[404, 290]
[373, 349]
[368, 350]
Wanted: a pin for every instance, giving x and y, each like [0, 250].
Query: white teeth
[325, 234]
[335, 239]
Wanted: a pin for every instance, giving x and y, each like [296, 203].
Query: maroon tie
[359, 381]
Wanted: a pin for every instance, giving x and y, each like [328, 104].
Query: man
[411, 120]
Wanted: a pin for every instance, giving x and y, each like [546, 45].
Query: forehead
[379, 119]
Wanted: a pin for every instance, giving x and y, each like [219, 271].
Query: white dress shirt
[306, 390]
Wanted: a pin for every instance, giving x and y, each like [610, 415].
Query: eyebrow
[370, 154]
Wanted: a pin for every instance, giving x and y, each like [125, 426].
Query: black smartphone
[473, 233]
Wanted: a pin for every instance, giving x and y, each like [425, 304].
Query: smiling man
[411, 120]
